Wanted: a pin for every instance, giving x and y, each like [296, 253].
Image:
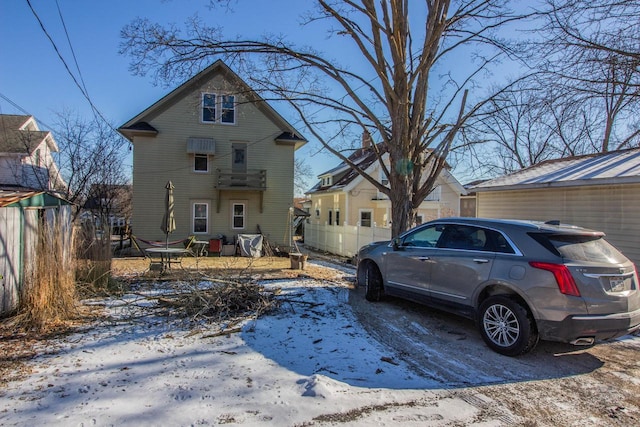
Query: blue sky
[35, 79]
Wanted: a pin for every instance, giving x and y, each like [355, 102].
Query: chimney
[366, 139]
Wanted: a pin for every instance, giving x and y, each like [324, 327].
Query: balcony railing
[250, 180]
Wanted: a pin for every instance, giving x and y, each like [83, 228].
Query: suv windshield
[585, 248]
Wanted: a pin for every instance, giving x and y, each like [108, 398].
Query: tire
[506, 326]
[372, 282]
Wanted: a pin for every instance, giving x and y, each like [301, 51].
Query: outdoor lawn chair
[196, 248]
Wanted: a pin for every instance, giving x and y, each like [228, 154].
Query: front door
[408, 268]
[239, 164]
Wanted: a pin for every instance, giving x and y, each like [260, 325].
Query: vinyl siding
[609, 208]
[164, 157]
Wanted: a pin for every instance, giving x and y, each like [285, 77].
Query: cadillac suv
[521, 281]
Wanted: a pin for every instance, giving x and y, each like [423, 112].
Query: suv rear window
[581, 247]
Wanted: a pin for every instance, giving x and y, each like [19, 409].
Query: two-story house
[228, 153]
[347, 211]
[26, 155]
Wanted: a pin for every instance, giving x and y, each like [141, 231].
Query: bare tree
[302, 174]
[582, 96]
[91, 159]
[530, 123]
[400, 43]
[589, 49]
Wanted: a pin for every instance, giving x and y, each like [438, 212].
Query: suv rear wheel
[506, 326]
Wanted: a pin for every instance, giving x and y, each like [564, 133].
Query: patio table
[168, 256]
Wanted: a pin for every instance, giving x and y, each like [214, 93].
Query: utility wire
[73, 53]
[22, 110]
[66, 66]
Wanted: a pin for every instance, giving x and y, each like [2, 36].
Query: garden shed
[23, 216]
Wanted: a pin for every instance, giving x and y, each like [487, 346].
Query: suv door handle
[422, 258]
[480, 260]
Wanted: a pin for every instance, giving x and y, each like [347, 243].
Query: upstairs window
[326, 181]
[228, 110]
[200, 163]
[435, 195]
[218, 108]
[209, 107]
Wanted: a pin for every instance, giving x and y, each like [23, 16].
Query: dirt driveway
[556, 385]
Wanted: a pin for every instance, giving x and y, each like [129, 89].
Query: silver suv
[520, 280]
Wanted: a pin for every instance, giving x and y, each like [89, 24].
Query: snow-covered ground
[308, 363]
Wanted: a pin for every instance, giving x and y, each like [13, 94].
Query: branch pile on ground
[222, 302]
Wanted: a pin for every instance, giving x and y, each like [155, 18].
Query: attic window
[209, 107]
[435, 195]
[218, 108]
[326, 181]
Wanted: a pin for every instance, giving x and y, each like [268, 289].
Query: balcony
[252, 180]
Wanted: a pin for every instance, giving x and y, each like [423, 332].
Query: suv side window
[424, 237]
[463, 237]
[472, 238]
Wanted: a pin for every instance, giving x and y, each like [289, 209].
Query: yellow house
[347, 211]
[227, 152]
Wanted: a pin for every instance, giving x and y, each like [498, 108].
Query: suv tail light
[563, 276]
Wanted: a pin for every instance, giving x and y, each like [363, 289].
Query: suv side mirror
[397, 244]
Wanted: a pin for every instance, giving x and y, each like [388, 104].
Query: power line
[66, 66]
[73, 53]
[22, 110]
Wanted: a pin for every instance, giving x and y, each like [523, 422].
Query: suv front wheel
[506, 326]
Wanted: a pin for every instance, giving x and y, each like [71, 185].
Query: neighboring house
[22, 211]
[347, 211]
[108, 206]
[229, 155]
[26, 155]
[599, 191]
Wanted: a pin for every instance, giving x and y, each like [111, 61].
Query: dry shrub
[48, 295]
[224, 301]
[93, 263]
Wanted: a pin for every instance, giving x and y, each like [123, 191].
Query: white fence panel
[343, 240]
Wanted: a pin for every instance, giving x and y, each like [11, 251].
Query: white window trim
[383, 178]
[215, 108]
[435, 195]
[193, 216]
[194, 163]
[233, 203]
[218, 108]
[235, 104]
[360, 211]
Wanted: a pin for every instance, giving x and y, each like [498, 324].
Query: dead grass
[137, 268]
[48, 294]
